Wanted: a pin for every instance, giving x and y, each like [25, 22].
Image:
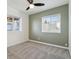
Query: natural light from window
[51, 23]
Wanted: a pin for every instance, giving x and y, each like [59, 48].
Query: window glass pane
[16, 26]
[16, 19]
[9, 19]
[9, 26]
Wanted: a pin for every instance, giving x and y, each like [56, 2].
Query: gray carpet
[32, 50]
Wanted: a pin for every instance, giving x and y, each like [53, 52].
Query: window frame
[59, 18]
[13, 23]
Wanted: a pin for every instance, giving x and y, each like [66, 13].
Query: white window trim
[59, 15]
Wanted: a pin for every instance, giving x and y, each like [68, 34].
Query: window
[16, 24]
[13, 24]
[51, 23]
[9, 24]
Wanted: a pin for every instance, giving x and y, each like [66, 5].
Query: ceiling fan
[33, 4]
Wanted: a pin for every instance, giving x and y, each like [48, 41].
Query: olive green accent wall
[35, 27]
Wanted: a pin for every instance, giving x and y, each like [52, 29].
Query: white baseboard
[50, 44]
[16, 43]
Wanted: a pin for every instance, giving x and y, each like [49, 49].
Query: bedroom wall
[35, 32]
[15, 37]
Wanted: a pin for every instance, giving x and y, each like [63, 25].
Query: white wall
[70, 28]
[15, 37]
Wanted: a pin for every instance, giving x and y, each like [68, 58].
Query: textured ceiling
[23, 4]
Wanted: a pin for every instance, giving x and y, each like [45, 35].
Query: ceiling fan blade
[39, 4]
[30, 1]
[27, 8]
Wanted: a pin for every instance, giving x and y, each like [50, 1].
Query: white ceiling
[23, 4]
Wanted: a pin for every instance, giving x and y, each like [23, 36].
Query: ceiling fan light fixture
[31, 6]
